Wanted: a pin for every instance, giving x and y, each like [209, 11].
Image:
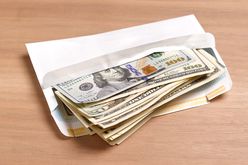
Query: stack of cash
[115, 102]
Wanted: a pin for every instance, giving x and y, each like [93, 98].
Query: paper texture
[59, 60]
[126, 55]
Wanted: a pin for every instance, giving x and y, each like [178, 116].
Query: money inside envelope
[113, 103]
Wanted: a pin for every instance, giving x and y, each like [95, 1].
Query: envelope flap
[121, 57]
[51, 55]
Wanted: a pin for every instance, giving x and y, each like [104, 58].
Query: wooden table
[213, 134]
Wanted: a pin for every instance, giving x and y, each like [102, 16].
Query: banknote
[107, 133]
[113, 115]
[124, 130]
[68, 121]
[186, 87]
[117, 117]
[126, 113]
[72, 108]
[106, 83]
[218, 71]
[104, 134]
[94, 110]
[113, 135]
[141, 99]
[171, 95]
[189, 69]
[148, 111]
[113, 131]
[124, 108]
[130, 131]
[130, 102]
[188, 101]
[121, 135]
[194, 68]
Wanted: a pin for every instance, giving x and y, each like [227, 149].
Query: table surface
[211, 134]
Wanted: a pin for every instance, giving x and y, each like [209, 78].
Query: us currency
[144, 98]
[87, 125]
[113, 131]
[131, 105]
[92, 128]
[146, 114]
[68, 121]
[117, 136]
[106, 83]
[94, 110]
[106, 133]
[185, 102]
[130, 110]
[191, 69]
[123, 131]
[120, 132]
[117, 131]
[72, 107]
[120, 139]
[199, 82]
[178, 91]
[120, 136]
[218, 71]
[139, 99]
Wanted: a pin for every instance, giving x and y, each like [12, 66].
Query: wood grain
[213, 134]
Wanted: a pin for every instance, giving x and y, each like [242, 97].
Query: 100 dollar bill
[119, 136]
[183, 89]
[190, 69]
[106, 83]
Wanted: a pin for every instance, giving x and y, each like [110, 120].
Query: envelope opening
[121, 57]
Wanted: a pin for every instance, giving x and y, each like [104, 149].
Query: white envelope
[59, 60]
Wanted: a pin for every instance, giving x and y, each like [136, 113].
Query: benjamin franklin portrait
[112, 80]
